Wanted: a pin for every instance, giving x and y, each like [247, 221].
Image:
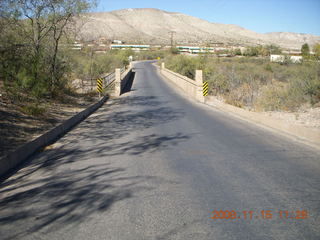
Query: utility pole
[171, 38]
[91, 62]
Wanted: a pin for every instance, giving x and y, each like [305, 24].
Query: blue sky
[301, 16]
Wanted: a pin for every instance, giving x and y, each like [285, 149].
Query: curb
[309, 136]
[12, 160]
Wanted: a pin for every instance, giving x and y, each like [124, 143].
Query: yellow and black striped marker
[205, 89]
[99, 85]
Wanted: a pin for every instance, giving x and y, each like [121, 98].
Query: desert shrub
[272, 97]
[240, 96]
[183, 65]
[33, 109]
[150, 55]
[305, 85]
[301, 85]
[268, 67]
[262, 50]
[86, 65]
[237, 52]
[255, 83]
[251, 51]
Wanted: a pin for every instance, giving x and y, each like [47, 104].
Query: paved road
[151, 165]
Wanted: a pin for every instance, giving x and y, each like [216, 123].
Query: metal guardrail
[90, 84]
[111, 77]
[108, 79]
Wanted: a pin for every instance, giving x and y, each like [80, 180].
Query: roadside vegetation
[37, 66]
[255, 83]
[88, 65]
[150, 55]
[31, 36]
[37, 62]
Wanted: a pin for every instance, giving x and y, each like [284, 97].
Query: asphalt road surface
[153, 165]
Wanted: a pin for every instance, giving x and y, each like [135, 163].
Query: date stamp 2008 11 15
[263, 214]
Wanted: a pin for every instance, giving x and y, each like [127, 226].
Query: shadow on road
[67, 197]
[67, 184]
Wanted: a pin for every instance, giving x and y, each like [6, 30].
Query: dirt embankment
[18, 128]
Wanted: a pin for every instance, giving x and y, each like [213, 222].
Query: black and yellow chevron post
[205, 89]
[99, 85]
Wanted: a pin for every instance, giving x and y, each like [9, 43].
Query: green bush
[183, 65]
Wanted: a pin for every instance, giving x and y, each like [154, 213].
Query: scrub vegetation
[255, 83]
[88, 65]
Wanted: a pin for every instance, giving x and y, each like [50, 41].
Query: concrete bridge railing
[122, 78]
[117, 77]
[193, 88]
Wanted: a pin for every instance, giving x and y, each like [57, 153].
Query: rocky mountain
[158, 27]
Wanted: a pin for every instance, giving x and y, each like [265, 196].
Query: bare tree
[62, 13]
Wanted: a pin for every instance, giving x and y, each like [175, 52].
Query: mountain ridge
[155, 26]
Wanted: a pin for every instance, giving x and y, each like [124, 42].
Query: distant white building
[194, 49]
[276, 58]
[117, 41]
[296, 59]
[77, 46]
[281, 58]
[136, 48]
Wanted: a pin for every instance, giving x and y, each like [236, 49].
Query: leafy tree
[273, 49]
[263, 51]
[251, 51]
[316, 50]
[305, 50]
[174, 50]
[237, 52]
[61, 14]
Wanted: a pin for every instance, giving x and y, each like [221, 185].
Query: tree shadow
[76, 178]
[64, 198]
[16, 128]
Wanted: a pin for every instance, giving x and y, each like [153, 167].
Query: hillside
[155, 26]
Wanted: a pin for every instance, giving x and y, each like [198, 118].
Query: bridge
[155, 164]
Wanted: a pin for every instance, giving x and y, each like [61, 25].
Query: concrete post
[117, 88]
[199, 81]
[163, 66]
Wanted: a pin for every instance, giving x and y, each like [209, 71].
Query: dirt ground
[18, 128]
[305, 116]
[308, 117]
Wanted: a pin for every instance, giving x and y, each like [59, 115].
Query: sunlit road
[152, 165]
